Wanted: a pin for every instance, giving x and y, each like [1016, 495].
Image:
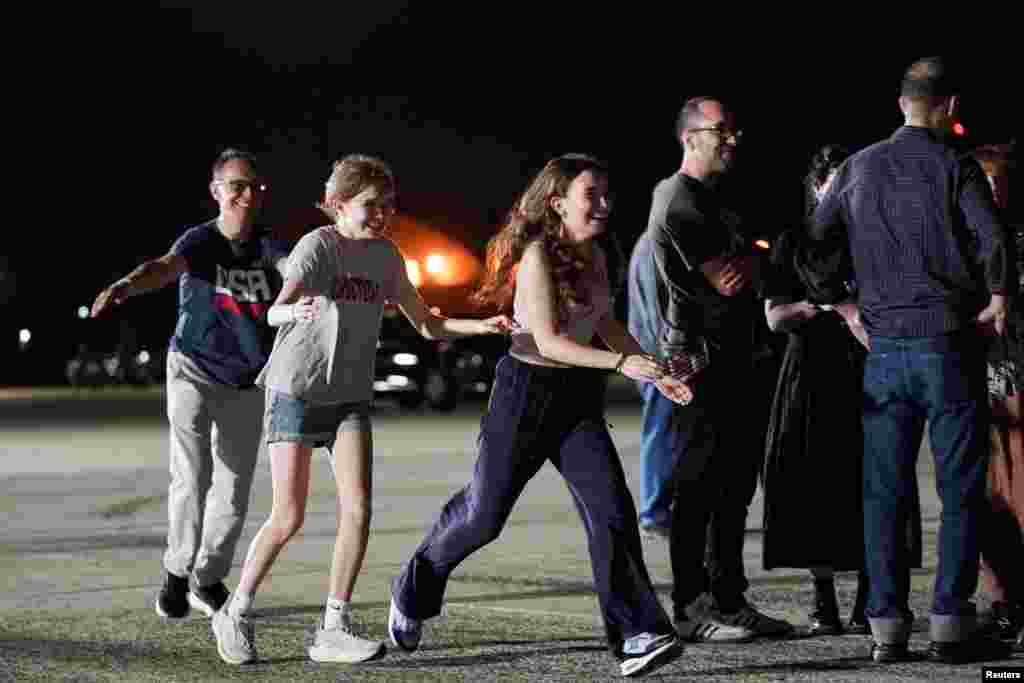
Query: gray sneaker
[342, 645]
[236, 638]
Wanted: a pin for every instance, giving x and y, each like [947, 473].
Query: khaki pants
[215, 437]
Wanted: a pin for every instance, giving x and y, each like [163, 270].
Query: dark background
[143, 103]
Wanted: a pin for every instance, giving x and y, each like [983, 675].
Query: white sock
[240, 604]
[336, 613]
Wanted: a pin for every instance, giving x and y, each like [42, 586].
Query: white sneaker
[342, 645]
[646, 652]
[236, 638]
[405, 632]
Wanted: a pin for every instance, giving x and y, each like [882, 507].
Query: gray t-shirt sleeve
[307, 261]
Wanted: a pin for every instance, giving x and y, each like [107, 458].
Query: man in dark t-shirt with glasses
[693, 281]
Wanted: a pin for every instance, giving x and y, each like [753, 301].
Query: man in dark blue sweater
[934, 267]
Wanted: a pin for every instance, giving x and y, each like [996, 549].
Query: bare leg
[353, 475]
[289, 468]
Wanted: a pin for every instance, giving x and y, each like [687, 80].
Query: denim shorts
[290, 419]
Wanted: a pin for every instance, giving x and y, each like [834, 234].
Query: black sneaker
[890, 653]
[824, 620]
[1001, 621]
[825, 624]
[972, 650]
[208, 599]
[172, 602]
[858, 624]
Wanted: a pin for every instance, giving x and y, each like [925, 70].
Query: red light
[959, 129]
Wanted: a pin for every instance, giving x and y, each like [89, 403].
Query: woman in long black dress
[813, 511]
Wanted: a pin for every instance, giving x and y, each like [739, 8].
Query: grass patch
[128, 507]
[137, 646]
[473, 642]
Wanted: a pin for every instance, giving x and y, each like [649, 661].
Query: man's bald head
[693, 114]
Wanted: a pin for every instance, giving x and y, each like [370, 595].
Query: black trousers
[715, 480]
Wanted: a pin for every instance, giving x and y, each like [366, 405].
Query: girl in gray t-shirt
[319, 381]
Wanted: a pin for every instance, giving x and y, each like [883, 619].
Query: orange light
[412, 269]
[762, 244]
[436, 264]
[959, 129]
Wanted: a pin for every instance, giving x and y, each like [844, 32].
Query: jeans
[661, 444]
[539, 414]
[908, 382]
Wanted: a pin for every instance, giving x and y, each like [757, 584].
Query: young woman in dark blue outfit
[547, 405]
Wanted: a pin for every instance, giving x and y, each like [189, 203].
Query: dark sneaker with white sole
[891, 653]
[707, 630]
[405, 632]
[749, 618]
[208, 599]
[646, 652]
[977, 648]
[172, 602]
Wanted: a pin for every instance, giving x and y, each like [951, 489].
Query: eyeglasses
[723, 133]
[236, 187]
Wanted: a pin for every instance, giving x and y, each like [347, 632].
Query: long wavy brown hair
[533, 218]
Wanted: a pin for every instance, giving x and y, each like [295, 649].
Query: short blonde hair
[351, 175]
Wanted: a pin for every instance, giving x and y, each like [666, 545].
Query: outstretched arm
[432, 326]
[151, 275]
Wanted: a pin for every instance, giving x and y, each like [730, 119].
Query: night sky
[165, 92]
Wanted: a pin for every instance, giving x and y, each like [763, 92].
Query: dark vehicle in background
[411, 370]
[140, 368]
[114, 351]
[416, 371]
